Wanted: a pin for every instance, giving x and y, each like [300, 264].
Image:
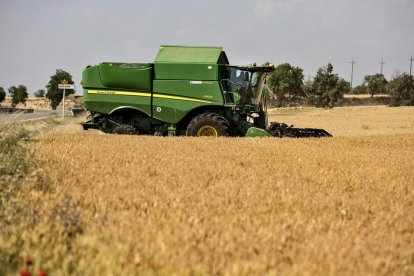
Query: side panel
[202, 90]
[110, 86]
[105, 101]
[173, 99]
[91, 77]
[136, 76]
[185, 71]
[129, 76]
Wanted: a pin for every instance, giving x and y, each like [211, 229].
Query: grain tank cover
[189, 62]
[191, 54]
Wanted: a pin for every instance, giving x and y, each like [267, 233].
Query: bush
[2, 94]
[360, 89]
[375, 84]
[19, 94]
[401, 89]
[20, 214]
[14, 165]
[286, 81]
[327, 89]
[40, 93]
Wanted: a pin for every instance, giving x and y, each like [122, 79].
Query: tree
[286, 80]
[2, 94]
[53, 93]
[375, 83]
[18, 94]
[40, 93]
[360, 89]
[401, 88]
[327, 89]
[307, 86]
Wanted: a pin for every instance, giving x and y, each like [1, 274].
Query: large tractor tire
[124, 129]
[208, 124]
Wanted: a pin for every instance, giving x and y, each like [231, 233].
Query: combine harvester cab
[188, 90]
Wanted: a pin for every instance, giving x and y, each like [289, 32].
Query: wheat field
[140, 205]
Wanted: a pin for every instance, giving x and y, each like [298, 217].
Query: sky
[39, 36]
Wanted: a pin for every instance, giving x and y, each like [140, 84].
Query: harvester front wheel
[208, 124]
[124, 129]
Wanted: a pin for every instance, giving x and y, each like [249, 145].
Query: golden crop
[114, 204]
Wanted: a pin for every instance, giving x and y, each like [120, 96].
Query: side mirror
[246, 76]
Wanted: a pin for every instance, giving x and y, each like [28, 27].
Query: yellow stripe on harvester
[125, 93]
[179, 98]
[145, 94]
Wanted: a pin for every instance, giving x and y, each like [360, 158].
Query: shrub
[401, 88]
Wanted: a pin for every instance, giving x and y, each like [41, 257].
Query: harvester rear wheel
[124, 129]
[208, 124]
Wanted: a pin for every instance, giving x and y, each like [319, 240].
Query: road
[38, 114]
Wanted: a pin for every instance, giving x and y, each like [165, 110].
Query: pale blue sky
[37, 37]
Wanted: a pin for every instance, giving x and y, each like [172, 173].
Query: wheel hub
[207, 130]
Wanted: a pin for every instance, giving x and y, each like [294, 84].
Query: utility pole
[352, 71]
[382, 64]
[411, 76]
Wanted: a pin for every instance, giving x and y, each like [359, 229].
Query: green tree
[307, 87]
[286, 81]
[40, 93]
[18, 94]
[401, 89]
[2, 94]
[375, 84]
[360, 89]
[53, 93]
[327, 89]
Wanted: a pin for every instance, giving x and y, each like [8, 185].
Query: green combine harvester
[188, 90]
